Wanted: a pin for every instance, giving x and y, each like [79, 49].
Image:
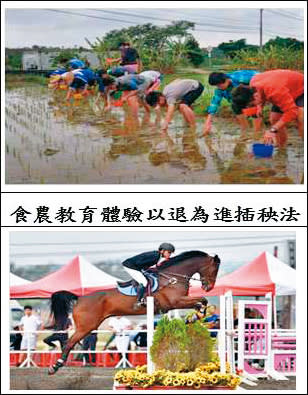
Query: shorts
[299, 101]
[192, 95]
[28, 342]
[130, 68]
[78, 84]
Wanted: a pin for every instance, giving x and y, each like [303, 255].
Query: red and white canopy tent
[16, 280]
[265, 275]
[77, 276]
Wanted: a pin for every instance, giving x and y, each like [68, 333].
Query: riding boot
[140, 294]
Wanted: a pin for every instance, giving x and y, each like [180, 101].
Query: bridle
[173, 279]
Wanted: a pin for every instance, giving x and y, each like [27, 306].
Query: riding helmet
[166, 246]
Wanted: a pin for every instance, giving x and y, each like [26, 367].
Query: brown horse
[174, 275]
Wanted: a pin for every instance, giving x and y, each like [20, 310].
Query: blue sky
[39, 26]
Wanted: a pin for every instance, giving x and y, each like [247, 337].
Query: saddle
[129, 288]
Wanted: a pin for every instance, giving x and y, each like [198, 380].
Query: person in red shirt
[284, 89]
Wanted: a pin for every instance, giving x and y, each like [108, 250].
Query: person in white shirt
[117, 325]
[28, 324]
[156, 78]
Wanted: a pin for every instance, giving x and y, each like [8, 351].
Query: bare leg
[257, 124]
[243, 121]
[300, 121]
[188, 114]
[282, 135]
[134, 105]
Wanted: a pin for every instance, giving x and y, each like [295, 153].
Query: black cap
[166, 246]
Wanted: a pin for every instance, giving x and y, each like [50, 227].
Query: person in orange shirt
[284, 89]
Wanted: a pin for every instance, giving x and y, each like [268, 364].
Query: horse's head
[209, 272]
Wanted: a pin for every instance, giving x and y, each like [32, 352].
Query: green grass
[19, 80]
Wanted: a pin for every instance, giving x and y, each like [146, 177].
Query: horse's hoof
[51, 370]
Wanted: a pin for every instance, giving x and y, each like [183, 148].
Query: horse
[91, 310]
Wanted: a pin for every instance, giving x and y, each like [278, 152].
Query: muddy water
[49, 142]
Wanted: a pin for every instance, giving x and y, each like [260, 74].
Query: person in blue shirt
[225, 82]
[104, 82]
[82, 79]
[212, 320]
[76, 64]
[54, 77]
[58, 71]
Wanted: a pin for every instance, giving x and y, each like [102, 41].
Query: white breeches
[136, 275]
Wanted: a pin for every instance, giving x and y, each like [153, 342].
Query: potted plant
[184, 359]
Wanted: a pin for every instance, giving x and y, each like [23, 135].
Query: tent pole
[275, 311]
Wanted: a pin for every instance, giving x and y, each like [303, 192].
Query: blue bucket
[262, 150]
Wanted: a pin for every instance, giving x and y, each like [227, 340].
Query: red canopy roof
[77, 276]
[252, 279]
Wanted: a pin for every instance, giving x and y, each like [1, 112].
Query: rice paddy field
[49, 142]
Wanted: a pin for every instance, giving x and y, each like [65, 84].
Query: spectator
[212, 320]
[29, 324]
[117, 325]
[89, 343]
[199, 312]
[64, 324]
[141, 337]
[16, 339]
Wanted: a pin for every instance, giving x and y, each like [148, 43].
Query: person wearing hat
[135, 266]
[130, 59]
[199, 312]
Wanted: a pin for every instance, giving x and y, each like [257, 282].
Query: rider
[137, 264]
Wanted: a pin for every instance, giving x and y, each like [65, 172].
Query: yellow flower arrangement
[207, 375]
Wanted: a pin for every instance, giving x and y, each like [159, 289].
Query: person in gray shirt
[179, 92]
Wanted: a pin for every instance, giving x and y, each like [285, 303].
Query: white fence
[124, 352]
[124, 362]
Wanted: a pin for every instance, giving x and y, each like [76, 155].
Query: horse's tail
[62, 304]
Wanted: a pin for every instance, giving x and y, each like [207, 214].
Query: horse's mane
[181, 257]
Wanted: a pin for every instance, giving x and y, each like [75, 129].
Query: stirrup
[140, 303]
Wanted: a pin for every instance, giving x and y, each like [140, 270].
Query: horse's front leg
[186, 302]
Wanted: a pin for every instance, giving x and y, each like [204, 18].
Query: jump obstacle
[274, 350]
[261, 350]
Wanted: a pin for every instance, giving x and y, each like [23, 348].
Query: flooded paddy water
[48, 142]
